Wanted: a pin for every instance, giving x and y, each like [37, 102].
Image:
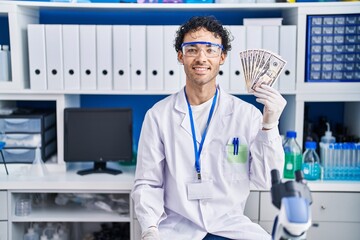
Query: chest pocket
[236, 163]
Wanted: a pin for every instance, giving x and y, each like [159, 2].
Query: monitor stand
[99, 167]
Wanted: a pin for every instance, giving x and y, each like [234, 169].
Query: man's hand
[152, 233]
[273, 102]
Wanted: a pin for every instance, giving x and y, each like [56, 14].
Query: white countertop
[70, 180]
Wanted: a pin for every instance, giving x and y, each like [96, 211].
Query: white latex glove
[152, 233]
[273, 102]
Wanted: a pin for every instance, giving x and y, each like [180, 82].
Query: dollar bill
[260, 67]
[269, 72]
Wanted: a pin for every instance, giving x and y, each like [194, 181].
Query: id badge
[200, 190]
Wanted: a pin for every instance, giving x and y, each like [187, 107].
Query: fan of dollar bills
[260, 67]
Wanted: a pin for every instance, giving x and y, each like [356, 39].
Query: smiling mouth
[201, 69]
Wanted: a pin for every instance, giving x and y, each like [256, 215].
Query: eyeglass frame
[203, 43]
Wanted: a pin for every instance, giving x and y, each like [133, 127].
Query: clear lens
[210, 51]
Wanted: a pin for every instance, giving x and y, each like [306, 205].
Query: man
[200, 148]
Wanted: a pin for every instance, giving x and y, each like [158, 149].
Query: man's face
[201, 67]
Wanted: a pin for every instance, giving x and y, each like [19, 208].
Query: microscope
[293, 199]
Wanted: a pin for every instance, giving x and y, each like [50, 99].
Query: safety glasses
[192, 49]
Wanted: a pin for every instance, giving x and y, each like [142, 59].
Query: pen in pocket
[236, 146]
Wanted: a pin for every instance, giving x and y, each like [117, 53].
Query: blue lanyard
[198, 152]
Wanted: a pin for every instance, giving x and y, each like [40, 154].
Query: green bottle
[293, 155]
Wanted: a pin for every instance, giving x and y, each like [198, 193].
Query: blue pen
[237, 146]
[234, 144]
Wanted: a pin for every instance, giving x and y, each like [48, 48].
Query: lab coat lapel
[219, 119]
[181, 106]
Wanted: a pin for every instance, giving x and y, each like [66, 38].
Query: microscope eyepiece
[299, 177]
[275, 177]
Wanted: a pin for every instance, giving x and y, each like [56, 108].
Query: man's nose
[201, 55]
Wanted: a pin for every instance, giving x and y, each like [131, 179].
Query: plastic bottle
[293, 155]
[56, 237]
[31, 235]
[49, 230]
[311, 162]
[325, 152]
[38, 167]
[44, 237]
[328, 137]
[37, 228]
[63, 231]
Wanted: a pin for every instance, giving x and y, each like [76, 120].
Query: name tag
[200, 190]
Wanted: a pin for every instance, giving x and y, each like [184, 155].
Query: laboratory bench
[335, 208]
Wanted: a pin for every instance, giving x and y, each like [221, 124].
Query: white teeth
[201, 69]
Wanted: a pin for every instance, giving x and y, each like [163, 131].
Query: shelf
[330, 88]
[142, 6]
[70, 213]
[250, 6]
[320, 96]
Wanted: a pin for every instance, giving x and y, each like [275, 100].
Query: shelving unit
[20, 14]
[20, 186]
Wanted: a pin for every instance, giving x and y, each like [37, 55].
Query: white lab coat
[165, 165]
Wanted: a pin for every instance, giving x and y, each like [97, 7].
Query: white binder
[253, 37]
[71, 53]
[288, 52]
[88, 57]
[37, 56]
[171, 64]
[138, 57]
[54, 56]
[155, 57]
[121, 57]
[223, 78]
[237, 80]
[270, 41]
[104, 57]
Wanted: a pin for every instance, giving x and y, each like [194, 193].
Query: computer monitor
[98, 135]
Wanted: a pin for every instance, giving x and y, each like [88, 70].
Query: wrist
[268, 126]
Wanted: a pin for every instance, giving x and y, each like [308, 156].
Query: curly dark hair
[211, 24]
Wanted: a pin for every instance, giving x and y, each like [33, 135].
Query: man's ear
[180, 57]
[222, 58]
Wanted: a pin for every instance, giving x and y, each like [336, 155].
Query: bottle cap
[310, 145]
[337, 146]
[291, 134]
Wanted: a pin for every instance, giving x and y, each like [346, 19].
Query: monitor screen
[97, 135]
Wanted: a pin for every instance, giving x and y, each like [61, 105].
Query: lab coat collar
[225, 107]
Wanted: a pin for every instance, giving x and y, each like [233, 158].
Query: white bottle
[325, 153]
[56, 236]
[5, 63]
[328, 138]
[38, 167]
[44, 237]
[31, 235]
[63, 232]
[37, 228]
